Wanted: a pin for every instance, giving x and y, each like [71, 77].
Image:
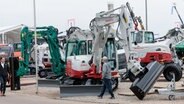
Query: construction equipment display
[50, 35]
[148, 48]
[78, 52]
[161, 50]
[101, 26]
[81, 71]
[78, 71]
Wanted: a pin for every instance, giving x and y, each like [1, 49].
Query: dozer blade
[71, 90]
[48, 83]
[79, 90]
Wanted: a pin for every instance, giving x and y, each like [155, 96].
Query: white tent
[10, 34]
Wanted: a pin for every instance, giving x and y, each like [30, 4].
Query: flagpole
[35, 46]
[146, 14]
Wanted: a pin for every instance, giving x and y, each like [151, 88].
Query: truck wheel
[42, 73]
[115, 83]
[170, 69]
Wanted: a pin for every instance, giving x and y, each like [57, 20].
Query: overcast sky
[58, 12]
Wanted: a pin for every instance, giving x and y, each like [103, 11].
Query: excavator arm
[26, 40]
[101, 27]
[136, 20]
[174, 7]
[50, 35]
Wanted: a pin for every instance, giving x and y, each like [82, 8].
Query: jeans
[106, 84]
[3, 84]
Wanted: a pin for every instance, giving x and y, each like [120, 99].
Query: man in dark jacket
[4, 72]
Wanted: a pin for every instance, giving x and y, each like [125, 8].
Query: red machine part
[46, 62]
[73, 73]
[92, 73]
[82, 74]
[157, 56]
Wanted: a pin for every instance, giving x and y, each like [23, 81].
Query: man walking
[106, 77]
[3, 75]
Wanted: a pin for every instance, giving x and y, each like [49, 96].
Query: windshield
[149, 37]
[71, 48]
[5, 51]
[138, 37]
[82, 48]
[17, 46]
[79, 48]
[109, 51]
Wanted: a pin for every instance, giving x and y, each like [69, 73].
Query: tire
[32, 71]
[115, 83]
[171, 97]
[42, 73]
[172, 68]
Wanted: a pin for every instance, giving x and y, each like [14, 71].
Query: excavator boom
[50, 35]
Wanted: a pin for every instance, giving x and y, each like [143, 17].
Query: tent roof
[12, 33]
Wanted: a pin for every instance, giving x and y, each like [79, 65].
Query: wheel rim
[43, 73]
[171, 97]
[170, 74]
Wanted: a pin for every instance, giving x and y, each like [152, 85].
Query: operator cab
[6, 51]
[79, 52]
[82, 47]
[142, 37]
[17, 49]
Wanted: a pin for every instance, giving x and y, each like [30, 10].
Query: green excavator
[49, 34]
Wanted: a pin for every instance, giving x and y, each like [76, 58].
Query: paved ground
[14, 98]
[51, 96]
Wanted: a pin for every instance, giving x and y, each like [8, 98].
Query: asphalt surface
[123, 95]
[25, 99]
[17, 98]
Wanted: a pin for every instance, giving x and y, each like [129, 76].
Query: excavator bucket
[140, 87]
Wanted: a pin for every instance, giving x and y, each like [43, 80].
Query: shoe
[112, 97]
[100, 97]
